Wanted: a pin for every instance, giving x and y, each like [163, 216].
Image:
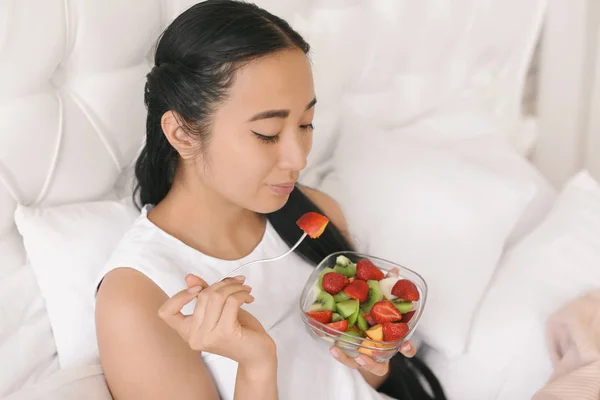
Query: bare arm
[143, 358]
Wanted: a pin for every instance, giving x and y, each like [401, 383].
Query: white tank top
[306, 369]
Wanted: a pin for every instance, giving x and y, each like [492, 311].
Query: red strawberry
[367, 271]
[406, 290]
[408, 316]
[394, 331]
[370, 320]
[340, 326]
[323, 317]
[333, 283]
[384, 311]
[313, 224]
[358, 290]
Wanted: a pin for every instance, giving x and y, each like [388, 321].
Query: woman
[230, 107]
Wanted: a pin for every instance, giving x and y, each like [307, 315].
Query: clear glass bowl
[352, 345]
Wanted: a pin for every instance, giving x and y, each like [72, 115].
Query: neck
[206, 221]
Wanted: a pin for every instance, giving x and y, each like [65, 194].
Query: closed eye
[266, 139]
[275, 138]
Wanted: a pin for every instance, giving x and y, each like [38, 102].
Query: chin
[272, 204]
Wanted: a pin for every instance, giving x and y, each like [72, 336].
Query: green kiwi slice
[342, 261]
[352, 319]
[348, 270]
[347, 308]
[324, 301]
[356, 336]
[341, 296]
[402, 305]
[335, 317]
[374, 296]
[362, 323]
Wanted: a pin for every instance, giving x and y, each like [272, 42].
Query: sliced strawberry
[333, 283]
[370, 320]
[406, 290]
[339, 326]
[367, 271]
[313, 224]
[394, 331]
[323, 317]
[408, 316]
[358, 290]
[384, 311]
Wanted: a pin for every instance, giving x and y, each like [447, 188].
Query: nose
[294, 151]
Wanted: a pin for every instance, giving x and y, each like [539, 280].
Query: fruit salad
[363, 304]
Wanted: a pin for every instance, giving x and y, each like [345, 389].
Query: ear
[179, 139]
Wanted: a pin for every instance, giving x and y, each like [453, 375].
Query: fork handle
[235, 270]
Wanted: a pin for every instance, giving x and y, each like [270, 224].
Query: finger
[208, 309]
[192, 280]
[170, 311]
[343, 357]
[227, 281]
[215, 301]
[230, 314]
[374, 367]
[408, 349]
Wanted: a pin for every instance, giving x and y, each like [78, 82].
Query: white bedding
[557, 262]
[27, 349]
[71, 384]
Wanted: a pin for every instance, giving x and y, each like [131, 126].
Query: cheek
[308, 142]
[241, 163]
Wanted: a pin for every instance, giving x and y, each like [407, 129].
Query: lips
[283, 189]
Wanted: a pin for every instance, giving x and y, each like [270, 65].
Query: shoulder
[126, 294]
[329, 206]
[127, 303]
[142, 356]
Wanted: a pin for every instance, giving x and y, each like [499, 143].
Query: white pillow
[556, 263]
[431, 211]
[474, 135]
[66, 246]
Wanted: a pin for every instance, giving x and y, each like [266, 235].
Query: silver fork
[233, 273]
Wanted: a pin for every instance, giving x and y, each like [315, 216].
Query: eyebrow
[279, 113]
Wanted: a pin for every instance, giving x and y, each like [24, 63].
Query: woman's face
[262, 135]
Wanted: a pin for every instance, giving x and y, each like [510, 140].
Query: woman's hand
[367, 364]
[373, 372]
[218, 325]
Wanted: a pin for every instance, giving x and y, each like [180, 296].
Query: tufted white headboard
[72, 75]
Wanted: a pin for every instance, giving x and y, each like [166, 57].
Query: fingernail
[195, 289]
[240, 278]
[334, 353]
[405, 347]
[248, 287]
[361, 361]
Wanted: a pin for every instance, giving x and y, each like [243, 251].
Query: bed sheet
[70, 384]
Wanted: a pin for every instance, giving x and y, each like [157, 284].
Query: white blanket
[70, 384]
